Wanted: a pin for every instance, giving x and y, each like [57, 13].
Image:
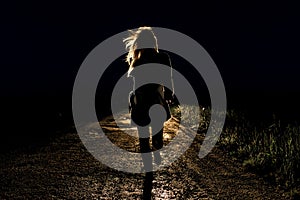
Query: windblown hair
[143, 37]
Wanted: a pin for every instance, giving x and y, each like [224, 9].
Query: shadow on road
[147, 186]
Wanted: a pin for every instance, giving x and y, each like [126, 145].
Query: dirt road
[64, 169]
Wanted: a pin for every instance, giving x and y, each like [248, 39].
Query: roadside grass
[269, 148]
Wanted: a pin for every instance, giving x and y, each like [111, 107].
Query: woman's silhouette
[142, 98]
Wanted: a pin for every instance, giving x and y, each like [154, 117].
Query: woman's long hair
[143, 37]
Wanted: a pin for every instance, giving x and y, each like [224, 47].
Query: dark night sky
[255, 46]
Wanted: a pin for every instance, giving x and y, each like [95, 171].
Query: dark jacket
[149, 94]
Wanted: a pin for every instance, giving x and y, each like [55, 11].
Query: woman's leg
[157, 139]
[145, 148]
[157, 143]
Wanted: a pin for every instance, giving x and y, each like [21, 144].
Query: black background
[255, 47]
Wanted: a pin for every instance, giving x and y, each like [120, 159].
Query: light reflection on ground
[64, 169]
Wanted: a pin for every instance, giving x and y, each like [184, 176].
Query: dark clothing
[144, 97]
[149, 94]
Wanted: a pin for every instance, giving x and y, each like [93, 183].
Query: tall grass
[267, 147]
